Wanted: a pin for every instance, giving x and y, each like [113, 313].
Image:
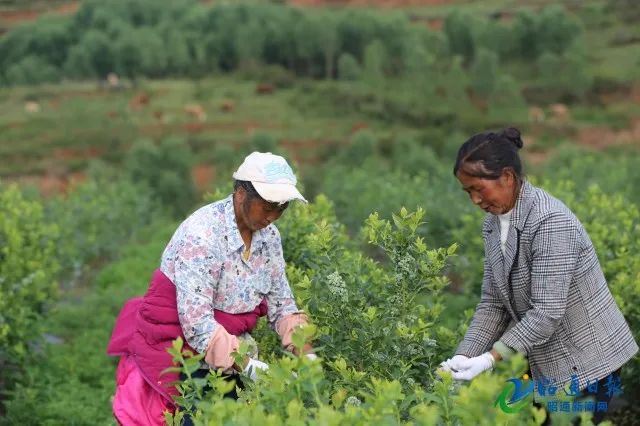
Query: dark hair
[487, 154]
[248, 188]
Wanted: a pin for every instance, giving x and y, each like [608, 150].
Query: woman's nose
[475, 199]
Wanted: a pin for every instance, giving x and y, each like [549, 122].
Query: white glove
[453, 364]
[470, 368]
[254, 365]
[312, 357]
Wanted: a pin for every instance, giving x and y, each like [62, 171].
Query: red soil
[203, 176]
[12, 17]
[383, 3]
[78, 154]
[603, 137]
[50, 184]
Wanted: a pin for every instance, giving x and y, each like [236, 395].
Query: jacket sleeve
[489, 321]
[195, 263]
[280, 301]
[554, 251]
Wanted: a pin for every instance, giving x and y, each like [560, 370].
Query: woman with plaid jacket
[543, 292]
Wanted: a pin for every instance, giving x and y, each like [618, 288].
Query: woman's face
[255, 213]
[495, 196]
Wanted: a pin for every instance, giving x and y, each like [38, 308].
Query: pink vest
[146, 327]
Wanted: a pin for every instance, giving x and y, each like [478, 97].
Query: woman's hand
[306, 349]
[452, 364]
[470, 368]
[252, 366]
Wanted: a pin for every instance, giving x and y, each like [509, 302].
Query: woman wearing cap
[222, 269]
[543, 293]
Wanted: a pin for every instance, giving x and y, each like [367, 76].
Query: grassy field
[78, 122]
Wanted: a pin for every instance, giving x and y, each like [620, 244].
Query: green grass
[78, 121]
[77, 116]
[616, 116]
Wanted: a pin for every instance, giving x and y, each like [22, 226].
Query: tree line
[184, 38]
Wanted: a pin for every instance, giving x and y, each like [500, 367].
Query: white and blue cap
[271, 176]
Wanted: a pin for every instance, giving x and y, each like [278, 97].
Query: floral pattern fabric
[204, 261]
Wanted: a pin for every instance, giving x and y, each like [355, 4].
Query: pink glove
[470, 368]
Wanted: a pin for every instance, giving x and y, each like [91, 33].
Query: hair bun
[513, 135]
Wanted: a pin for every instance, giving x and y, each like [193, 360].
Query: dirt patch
[194, 127]
[50, 184]
[382, 3]
[15, 125]
[599, 138]
[435, 24]
[307, 151]
[620, 93]
[68, 8]
[360, 125]
[537, 158]
[302, 144]
[78, 154]
[203, 176]
[635, 94]
[10, 18]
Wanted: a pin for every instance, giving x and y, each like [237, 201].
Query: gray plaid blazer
[547, 296]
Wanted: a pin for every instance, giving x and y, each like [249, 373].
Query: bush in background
[95, 218]
[28, 272]
[165, 169]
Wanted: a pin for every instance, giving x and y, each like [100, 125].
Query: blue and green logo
[519, 389]
[513, 397]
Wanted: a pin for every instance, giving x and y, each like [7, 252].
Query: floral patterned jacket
[204, 261]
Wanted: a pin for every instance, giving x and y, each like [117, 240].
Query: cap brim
[278, 192]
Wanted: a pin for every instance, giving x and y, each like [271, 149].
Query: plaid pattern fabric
[547, 297]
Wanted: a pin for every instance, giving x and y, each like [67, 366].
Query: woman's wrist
[307, 348]
[243, 366]
[496, 355]
[502, 350]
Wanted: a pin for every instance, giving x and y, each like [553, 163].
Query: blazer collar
[502, 264]
[519, 214]
[523, 205]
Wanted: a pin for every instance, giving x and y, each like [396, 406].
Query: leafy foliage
[377, 335]
[297, 391]
[139, 38]
[348, 67]
[96, 217]
[45, 243]
[28, 267]
[165, 168]
[72, 379]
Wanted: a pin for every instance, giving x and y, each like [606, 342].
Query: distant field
[52, 132]
[14, 12]
[77, 122]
